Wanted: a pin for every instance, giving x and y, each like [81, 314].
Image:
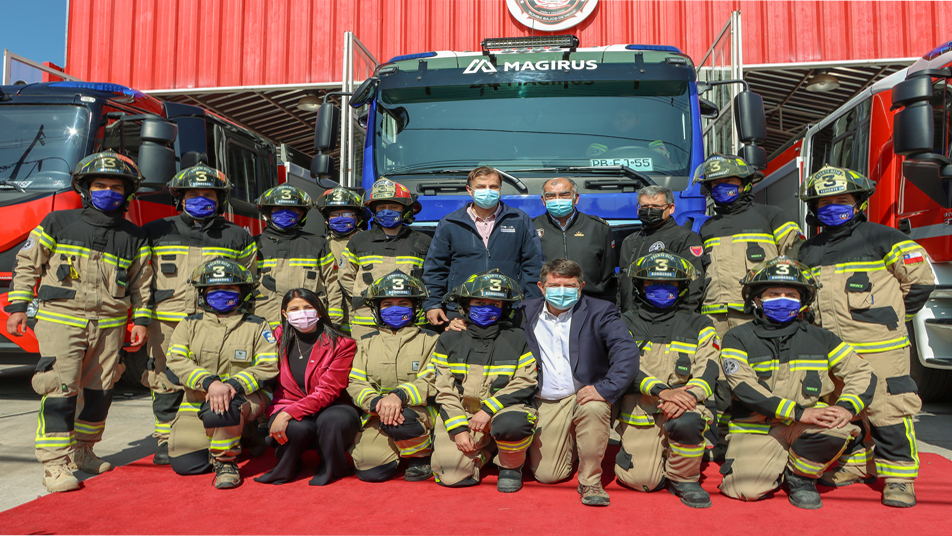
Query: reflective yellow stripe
[58, 318]
[249, 381]
[883, 346]
[721, 308]
[849, 267]
[805, 466]
[44, 238]
[310, 263]
[493, 404]
[220, 252]
[195, 378]
[416, 261]
[785, 409]
[734, 353]
[687, 452]
[413, 446]
[224, 444]
[860, 457]
[357, 374]
[266, 357]
[706, 334]
[250, 250]
[753, 237]
[190, 407]
[809, 364]
[854, 401]
[268, 263]
[413, 394]
[167, 316]
[141, 313]
[170, 250]
[698, 382]
[647, 383]
[526, 360]
[636, 420]
[89, 429]
[766, 366]
[364, 394]
[838, 353]
[514, 446]
[112, 322]
[748, 428]
[685, 347]
[369, 259]
[456, 422]
[901, 249]
[784, 230]
[711, 242]
[20, 295]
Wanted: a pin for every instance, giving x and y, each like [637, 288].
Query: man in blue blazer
[587, 359]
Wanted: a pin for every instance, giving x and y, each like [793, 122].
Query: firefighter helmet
[107, 164]
[720, 166]
[385, 190]
[341, 198]
[200, 176]
[661, 266]
[831, 181]
[284, 196]
[781, 271]
[223, 272]
[491, 285]
[395, 285]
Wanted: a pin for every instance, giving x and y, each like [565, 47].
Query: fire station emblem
[29, 243]
[551, 15]
[268, 335]
[539, 232]
[697, 250]
[731, 366]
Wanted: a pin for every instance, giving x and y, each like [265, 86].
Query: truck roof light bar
[656, 48]
[412, 56]
[98, 86]
[541, 43]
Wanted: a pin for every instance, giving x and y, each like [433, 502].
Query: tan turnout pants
[373, 448]
[566, 431]
[723, 322]
[166, 396]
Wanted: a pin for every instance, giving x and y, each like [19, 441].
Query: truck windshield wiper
[39, 138]
[11, 184]
[595, 170]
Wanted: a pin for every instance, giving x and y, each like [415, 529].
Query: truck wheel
[135, 367]
[935, 385]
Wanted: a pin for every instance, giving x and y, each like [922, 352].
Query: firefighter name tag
[416, 366]
[241, 355]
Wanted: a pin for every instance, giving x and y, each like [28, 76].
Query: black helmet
[831, 181]
[108, 164]
[781, 271]
[385, 190]
[720, 166]
[282, 197]
[491, 285]
[223, 272]
[396, 284]
[200, 176]
[661, 266]
[342, 198]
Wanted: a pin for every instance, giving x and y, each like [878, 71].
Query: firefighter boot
[418, 470]
[57, 477]
[899, 494]
[162, 455]
[801, 491]
[86, 460]
[844, 476]
[691, 493]
[594, 495]
[226, 475]
[510, 480]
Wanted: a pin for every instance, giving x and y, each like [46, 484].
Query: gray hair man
[567, 233]
[659, 232]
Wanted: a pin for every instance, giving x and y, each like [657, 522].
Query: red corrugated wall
[164, 44]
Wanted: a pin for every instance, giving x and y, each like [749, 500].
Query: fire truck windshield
[644, 125]
[39, 145]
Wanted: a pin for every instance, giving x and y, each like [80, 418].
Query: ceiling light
[822, 83]
[309, 103]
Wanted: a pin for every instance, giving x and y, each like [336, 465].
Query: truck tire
[135, 367]
[935, 385]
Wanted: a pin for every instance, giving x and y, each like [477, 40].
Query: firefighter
[92, 266]
[740, 236]
[179, 245]
[485, 379]
[874, 280]
[392, 382]
[390, 245]
[345, 214]
[663, 418]
[290, 258]
[222, 357]
[789, 422]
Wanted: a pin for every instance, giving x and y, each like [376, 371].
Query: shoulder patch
[731, 366]
[540, 232]
[28, 244]
[657, 246]
[599, 219]
[697, 251]
[268, 334]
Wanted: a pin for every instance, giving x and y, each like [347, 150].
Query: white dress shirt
[553, 334]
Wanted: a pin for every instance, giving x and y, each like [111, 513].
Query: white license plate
[637, 164]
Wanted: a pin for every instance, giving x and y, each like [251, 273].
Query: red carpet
[145, 499]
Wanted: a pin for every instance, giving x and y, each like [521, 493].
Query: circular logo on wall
[551, 15]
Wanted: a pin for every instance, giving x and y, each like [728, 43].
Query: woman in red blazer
[309, 402]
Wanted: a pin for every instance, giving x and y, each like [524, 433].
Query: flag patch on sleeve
[914, 257]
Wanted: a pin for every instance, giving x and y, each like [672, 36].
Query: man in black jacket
[567, 233]
[659, 232]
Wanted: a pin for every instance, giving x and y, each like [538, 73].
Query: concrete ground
[128, 435]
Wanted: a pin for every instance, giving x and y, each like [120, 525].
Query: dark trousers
[331, 431]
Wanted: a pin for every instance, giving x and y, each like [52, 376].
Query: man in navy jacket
[485, 234]
[587, 359]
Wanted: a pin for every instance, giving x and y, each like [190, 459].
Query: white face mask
[304, 319]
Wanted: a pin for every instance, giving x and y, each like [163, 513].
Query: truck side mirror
[327, 128]
[755, 156]
[749, 117]
[913, 90]
[364, 92]
[931, 175]
[156, 156]
[322, 165]
[708, 109]
[913, 129]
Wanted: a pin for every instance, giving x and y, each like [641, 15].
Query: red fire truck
[911, 168]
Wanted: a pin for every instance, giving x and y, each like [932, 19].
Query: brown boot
[57, 477]
[85, 460]
[226, 475]
[594, 495]
[899, 495]
[844, 476]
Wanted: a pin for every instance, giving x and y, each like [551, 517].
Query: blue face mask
[106, 200]
[562, 298]
[200, 207]
[781, 310]
[484, 315]
[724, 194]
[396, 316]
[835, 215]
[222, 301]
[559, 208]
[661, 295]
[284, 218]
[388, 218]
[486, 197]
[342, 224]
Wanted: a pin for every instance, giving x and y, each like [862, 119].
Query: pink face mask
[304, 319]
